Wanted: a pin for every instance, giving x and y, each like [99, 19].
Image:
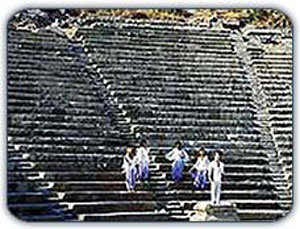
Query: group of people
[136, 165]
[136, 168]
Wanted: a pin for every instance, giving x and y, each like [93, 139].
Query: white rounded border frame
[10, 7]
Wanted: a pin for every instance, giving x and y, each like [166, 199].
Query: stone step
[260, 215]
[58, 186]
[132, 87]
[53, 176]
[144, 33]
[84, 196]
[96, 156]
[123, 216]
[33, 209]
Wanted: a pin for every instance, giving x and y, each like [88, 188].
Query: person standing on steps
[143, 161]
[130, 167]
[215, 172]
[179, 157]
[199, 170]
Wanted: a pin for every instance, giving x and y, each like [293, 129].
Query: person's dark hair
[218, 152]
[201, 149]
[133, 151]
[179, 144]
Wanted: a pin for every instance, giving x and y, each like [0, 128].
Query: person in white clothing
[199, 170]
[215, 173]
[143, 161]
[179, 157]
[130, 168]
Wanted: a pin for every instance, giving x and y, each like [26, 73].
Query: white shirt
[129, 163]
[142, 155]
[216, 170]
[202, 163]
[176, 154]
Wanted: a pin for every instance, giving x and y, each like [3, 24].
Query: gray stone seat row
[83, 196]
[230, 101]
[62, 137]
[285, 78]
[65, 140]
[34, 83]
[152, 31]
[186, 79]
[273, 54]
[64, 132]
[36, 110]
[42, 93]
[67, 135]
[133, 87]
[189, 111]
[181, 57]
[35, 56]
[40, 151]
[69, 187]
[106, 165]
[271, 62]
[15, 100]
[186, 121]
[95, 157]
[275, 71]
[225, 92]
[213, 53]
[191, 106]
[180, 42]
[202, 115]
[40, 176]
[187, 99]
[83, 152]
[43, 35]
[36, 73]
[143, 36]
[169, 47]
[164, 68]
[163, 145]
[63, 118]
[192, 129]
[174, 50]
[205, 63]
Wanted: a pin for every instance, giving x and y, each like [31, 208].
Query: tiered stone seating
[271, 59]
[74, 106]
[189, 85]
[60, 120]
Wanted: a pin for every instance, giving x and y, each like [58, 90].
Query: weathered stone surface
[76, 100]
[204, 211]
